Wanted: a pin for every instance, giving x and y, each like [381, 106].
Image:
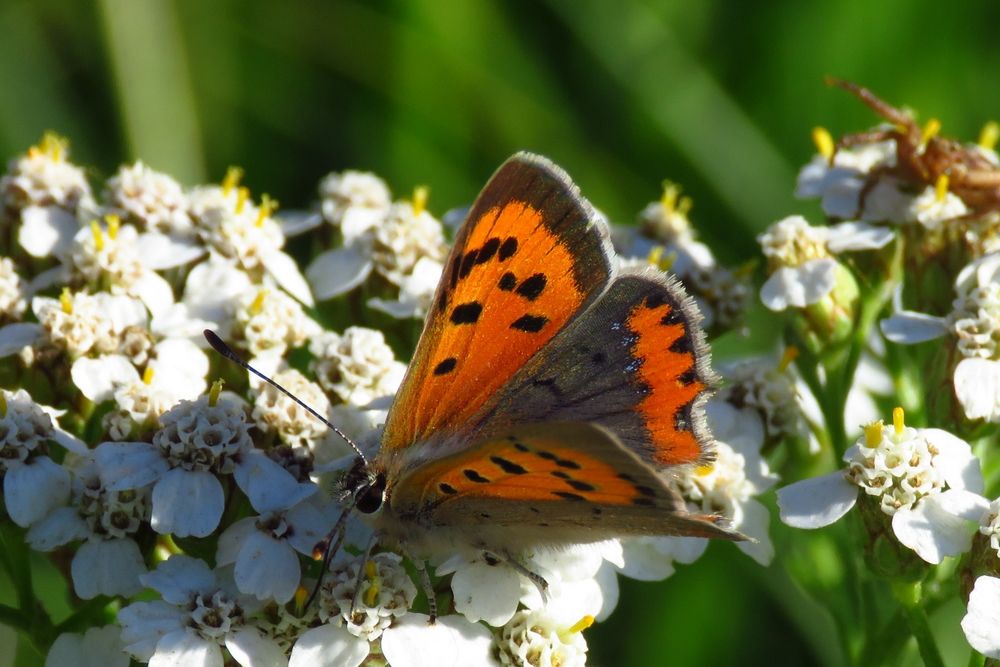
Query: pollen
[989, 135]
[213, 393]
[930, 130]
[420, 194]
[823, 141]
[672, 201]
[66, 301]
[897, 421]
[267, 207]
[704, 470]
[53, 145]
[371, 573]
[941, 187]
[232, 180]
[661, 260]
[114, 224]
[258, 303]
[301, 595]
[95, 230]
[147, 376]
[788, 356]
[873, 433]
[242, 195]
[581, 625]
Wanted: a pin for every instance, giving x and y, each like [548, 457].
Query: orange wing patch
[528, 259]
[666, 350]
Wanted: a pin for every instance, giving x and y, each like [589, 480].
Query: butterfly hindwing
[556, 475]
[635, 363]
[529, 258]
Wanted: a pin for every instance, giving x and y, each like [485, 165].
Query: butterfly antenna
[222, 348]
[330, 545]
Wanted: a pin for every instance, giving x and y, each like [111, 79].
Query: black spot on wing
[447, 489]
[580, 485]
[508, 248]
[508, 281]
[507, 466]
[446, 366]
[687, 377]
[673, 317]
[474, 476]
[529, 323]
[468, 261]
[467, 313]
[532, 287]
[655, 301]
[568, 495]
[682, 345]
[488, 250]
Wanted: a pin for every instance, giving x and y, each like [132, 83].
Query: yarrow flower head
[33, 484]
[357, 367]
[974, 324]
[268, 321]
[923, 480]
[355, 201]
[274, 411]
[44, 177]
[151, 199]
[12, 292]
[532, 638]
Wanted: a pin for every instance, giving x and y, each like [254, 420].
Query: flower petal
[977, 386]
[107, 567]
[252, 649]
[931, 531]
[754, 524]
[486, 592]
[17, 336]
[858, 236]
[34, 489]
[959, 466]
[799, 286]
[267, 568]
[46, 231]
[338, 271]
[453, 641]
[178, 577]
[645, 561]
[144, 623]
[61, 526]
[185, 648]
[981, 624]
[98, 647]
[328, 645]
[269, 486]
[286, 273]
[129, 465]
[162, 251]
[187, 502]
[908, 327]
[97, 379]
[817, 501]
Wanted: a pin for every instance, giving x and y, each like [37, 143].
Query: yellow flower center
[420, 194]
[95, 230]
[823, 141]
[213, 393]
[66, 301]
[873, 433]
[232, 180]
[941, 188]
[930, 130]
[147, 376]
[989, 135]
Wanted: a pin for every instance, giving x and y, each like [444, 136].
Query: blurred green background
[719, 96]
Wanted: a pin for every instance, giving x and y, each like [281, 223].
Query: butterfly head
[365, 486]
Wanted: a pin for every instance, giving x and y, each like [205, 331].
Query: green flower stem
[881, 647]
[908, 595]
[14, 618]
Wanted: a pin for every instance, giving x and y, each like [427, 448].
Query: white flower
[406, 247]
[839, 184]
[198, 441]
[263, 547]
[386, 594]
[989, 525]
[153, 199]
[801, 258]
[197, 616]
[354, 200]
[975, 325]
[926, 480]
[935, 206]
[97, 647]
[981, 623]
[43, 177]
[490, 589]
[109, 561]
[236, 229]
[12, 293]
[33, 484]
[268, 322]
[452, 641]
[357, 366]
[532, 638]
[274, 411]
[83, 323]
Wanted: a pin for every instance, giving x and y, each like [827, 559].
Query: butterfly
[551, 395]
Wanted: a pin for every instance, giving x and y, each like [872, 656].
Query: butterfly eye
[370, 499]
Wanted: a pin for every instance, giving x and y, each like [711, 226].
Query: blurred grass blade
[149, 65]
[683, 99]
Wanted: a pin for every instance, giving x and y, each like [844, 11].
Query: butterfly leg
[538, 580]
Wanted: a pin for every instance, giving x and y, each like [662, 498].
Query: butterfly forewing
[528, 259]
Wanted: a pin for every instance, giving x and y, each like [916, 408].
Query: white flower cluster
[115, 325]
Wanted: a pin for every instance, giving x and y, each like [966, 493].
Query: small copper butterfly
[551, 395]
